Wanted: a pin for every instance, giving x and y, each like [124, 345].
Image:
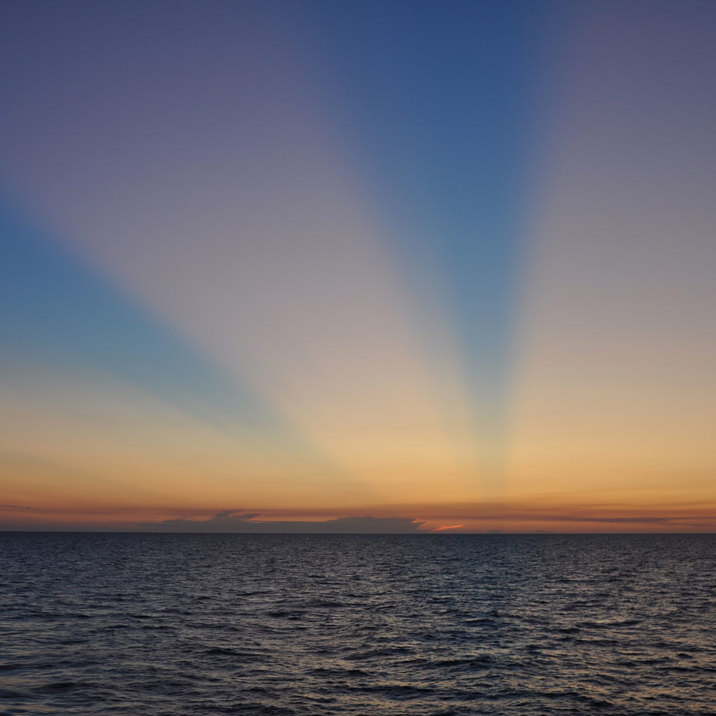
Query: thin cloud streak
[443, 528]
[244, 522]
[430, 519]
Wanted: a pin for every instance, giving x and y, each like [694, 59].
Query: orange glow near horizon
[535, 515]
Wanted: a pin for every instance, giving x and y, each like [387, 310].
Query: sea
[441, 624]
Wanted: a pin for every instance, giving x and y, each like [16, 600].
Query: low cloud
[15, 507]
[246, 522]
[227, 521]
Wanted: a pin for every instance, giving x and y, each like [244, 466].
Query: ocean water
[357, 624]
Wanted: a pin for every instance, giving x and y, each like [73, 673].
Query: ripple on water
[381, 625]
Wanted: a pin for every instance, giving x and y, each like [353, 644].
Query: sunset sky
[358, 266]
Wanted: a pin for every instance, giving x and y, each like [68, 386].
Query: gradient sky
[358, 266]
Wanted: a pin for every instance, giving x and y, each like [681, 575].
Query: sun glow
[226, 285]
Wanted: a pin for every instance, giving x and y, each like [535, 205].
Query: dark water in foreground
[374, 625]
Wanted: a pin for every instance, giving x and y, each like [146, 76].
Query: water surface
[356, 624]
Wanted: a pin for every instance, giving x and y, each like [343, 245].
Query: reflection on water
[415, 624]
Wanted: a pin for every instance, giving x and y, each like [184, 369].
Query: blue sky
[368, 250]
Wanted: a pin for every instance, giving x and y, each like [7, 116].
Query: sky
[390, 266]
